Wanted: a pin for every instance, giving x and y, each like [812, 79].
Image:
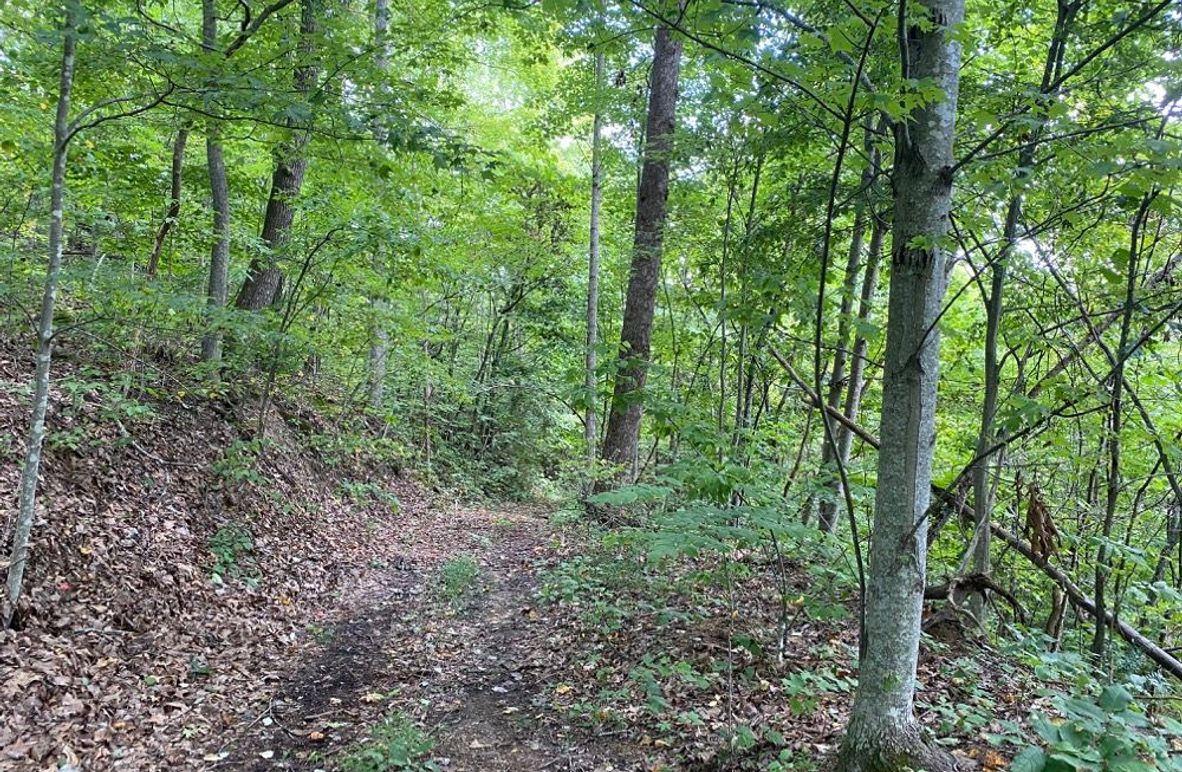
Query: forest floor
[202, 598]
[444, 634]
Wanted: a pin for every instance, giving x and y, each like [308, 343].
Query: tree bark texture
[591, 423]
[883, 733]
[218, 286]
[379, 345]
[264, 279]
[27, 502]
[174, 198]
[623, 426]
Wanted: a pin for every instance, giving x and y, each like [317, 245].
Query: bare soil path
[464, 657]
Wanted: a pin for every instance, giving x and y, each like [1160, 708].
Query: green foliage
[1105, 732]
[361, 492]
[595, 585]
[395, 744]
[804, 688]
[357, 445]
[232, 546]
[458, 577]
[445, 213]
[239, 464]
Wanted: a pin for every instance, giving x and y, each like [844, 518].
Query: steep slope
[175, 567]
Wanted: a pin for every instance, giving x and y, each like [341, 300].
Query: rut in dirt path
[474, 674]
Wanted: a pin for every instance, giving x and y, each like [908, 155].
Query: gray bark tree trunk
[27, 504]
[218, 287]
[264, 279]
[174, 198]
[379, 346]
[623, 425]
[883, 733]
[591, 423]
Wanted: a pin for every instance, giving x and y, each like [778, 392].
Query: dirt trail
[472, 671]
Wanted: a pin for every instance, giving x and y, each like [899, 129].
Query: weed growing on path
[396, 743]
[458, 576]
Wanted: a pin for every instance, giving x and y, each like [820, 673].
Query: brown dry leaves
[129, 655]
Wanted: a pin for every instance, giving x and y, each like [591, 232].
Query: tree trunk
[1115, 423]
[219, 259]
[264, 279]
[218, 288]
[982, 494]
[623, 425]
[883, 733]
[827, 509]
[836, 453]
[591, 424]
[379, 345]
[174, 199]
[23, 527]
[1054, 625]
[1173, 536]
[379, 349]
[994, 306]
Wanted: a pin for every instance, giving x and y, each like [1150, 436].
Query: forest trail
[424, 639]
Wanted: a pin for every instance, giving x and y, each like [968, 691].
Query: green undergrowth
[689, 613]
[718, 635]
[397, 743]
[458, 578]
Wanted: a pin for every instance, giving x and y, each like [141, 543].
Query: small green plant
[199, 667]
[232, 547]
[344, 448]
[91, 386]
[362, 493]
[565, 518]
[458, 576]
[323, 635]
[805, 687]
[240, 462]
[1106, 733]
[790, 761]
[396, 743]
[74, 439]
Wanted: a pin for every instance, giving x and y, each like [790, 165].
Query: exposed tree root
[891, 749]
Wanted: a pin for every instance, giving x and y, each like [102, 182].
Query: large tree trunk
[174, 198]
[623, 425]
[591, 423]
[219, 259]
[26, 506]
[379, 344]
[883, 733]
[264, 279]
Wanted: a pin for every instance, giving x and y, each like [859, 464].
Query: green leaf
[1115, 698]
[1029, 760]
